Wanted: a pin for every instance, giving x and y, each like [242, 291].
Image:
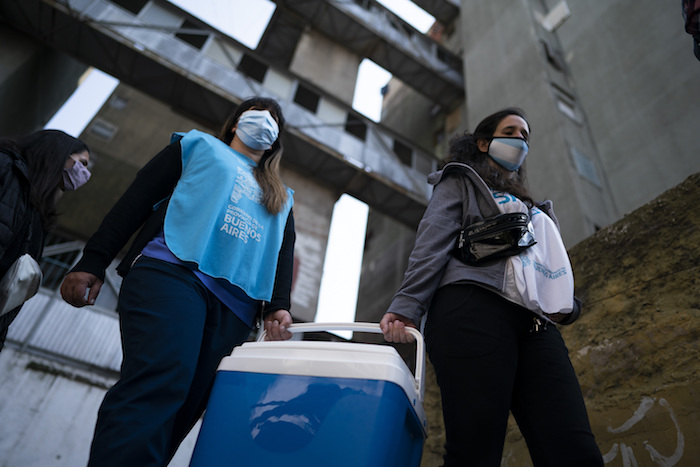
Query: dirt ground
[635, 348]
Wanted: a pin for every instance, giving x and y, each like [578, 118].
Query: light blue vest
[215, 217]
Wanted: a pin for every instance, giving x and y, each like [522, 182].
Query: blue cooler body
[302, 403]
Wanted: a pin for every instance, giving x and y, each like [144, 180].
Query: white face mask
[257, 129]
[508, 152]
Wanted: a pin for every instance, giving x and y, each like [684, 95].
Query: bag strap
[466, 169]
[462, 168]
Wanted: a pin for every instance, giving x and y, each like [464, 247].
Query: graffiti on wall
[628, 456]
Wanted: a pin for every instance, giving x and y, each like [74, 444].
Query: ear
[483, 145]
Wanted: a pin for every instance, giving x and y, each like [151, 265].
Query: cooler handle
[365, 327]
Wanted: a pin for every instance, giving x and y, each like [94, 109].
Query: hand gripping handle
[364, 327]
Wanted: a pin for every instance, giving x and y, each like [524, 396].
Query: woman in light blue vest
[215, 248]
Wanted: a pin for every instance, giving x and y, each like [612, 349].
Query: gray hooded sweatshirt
[460, 196]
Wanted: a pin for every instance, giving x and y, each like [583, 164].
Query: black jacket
[16, 212]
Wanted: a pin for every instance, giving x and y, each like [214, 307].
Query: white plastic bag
[21, 282]
[543, 273]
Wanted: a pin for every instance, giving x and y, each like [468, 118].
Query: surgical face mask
[76, 176]
[508, 152]
[257, 129]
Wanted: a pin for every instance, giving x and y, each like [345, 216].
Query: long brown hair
[267, 172]
[464, 148]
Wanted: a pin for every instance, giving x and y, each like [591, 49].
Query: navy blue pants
[174, 334]
[489, 362]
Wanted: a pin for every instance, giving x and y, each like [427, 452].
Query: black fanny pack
[496, 237]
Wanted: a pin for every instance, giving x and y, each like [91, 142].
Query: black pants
[489, 362]
[174, 334]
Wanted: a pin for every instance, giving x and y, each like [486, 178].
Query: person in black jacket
[215, 247]
[34, 171]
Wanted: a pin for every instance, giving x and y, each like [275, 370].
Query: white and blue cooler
[306, 403]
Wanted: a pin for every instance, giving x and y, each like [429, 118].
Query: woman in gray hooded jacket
[490, 327]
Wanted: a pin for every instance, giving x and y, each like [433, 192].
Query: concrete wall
[141, 127]
[635, 347]
[35, 81]
[505, 64]
[637, 78]
[336, 73]
[313, 209]
[49, 412]
[387, 247]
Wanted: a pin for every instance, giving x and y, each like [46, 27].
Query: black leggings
[488, 362]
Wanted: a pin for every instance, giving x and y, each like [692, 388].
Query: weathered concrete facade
[636, 348]
[636, 77]
[35, 81]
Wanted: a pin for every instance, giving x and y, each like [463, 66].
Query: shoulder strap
[455, 166]
[471, 174]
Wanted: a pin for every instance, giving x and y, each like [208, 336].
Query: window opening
[253, 68]
[554, 57]
[403, 152]
[306, 98]
[355, 126]
[133, 6]
[192, 34]
[103, 129]
[586, 168]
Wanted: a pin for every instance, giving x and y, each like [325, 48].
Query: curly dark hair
[464, 148]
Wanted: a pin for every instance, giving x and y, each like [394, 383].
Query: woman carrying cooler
[490, 328]
[215, 246]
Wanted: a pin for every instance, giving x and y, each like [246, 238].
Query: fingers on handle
[277, 326]
[395, 329]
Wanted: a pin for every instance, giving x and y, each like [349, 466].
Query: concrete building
[35, 81]
[613, 109]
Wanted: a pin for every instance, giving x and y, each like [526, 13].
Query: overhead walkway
[370, 30]
[444, 11]
[204, 75]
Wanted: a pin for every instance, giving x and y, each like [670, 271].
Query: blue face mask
[508, 152]
[257, 129]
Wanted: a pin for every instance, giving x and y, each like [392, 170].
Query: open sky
[246, 23]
